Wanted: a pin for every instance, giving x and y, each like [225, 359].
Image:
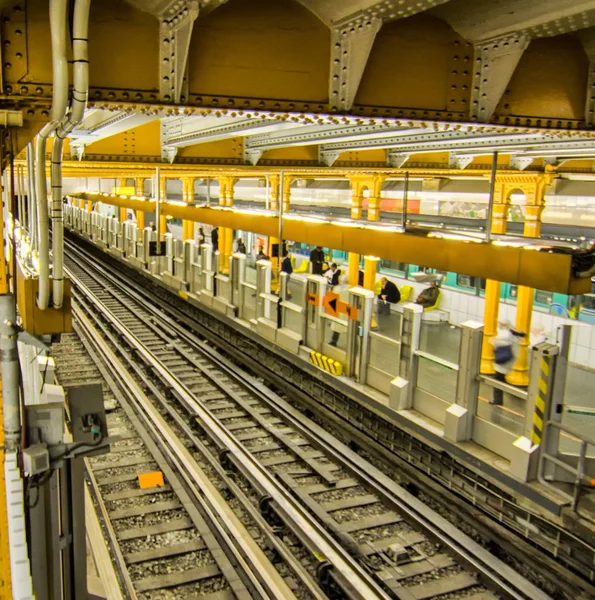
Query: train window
[513, 291]
[466, 281]
[542, 297]
[588, 302]
[391, 265]
[482, 284]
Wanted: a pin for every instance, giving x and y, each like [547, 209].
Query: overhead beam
[495, 63]
[351, 47]
[175, 31]
[513, 264]
[100, 124]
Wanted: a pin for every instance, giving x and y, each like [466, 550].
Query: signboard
[312, 299]
[157, 248]
[334, 307]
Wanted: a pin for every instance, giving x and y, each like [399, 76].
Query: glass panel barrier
[384, 354]
[249, 308]
[389, 325]
[250, 274]
[295, 290]
[581, 419]
[293, 320]
[441, 340]
[510, 415]
[223, 286]
[436, 379]
[335, 332]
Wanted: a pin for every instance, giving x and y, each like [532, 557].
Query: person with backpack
[506, 350]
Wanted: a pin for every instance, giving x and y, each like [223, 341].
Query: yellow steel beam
[5, 578]
[517, 265]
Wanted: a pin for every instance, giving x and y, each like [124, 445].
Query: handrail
[505, 387]
[578, 471]
[385, 338]
[437, 360]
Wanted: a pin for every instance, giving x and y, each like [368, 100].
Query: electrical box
[45, 423]
[36, 459]
[88, 423]
[42, 322]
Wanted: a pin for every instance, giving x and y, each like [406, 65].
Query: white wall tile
[582, 355]
[582, 335]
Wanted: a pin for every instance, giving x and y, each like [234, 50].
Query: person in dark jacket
[286, 266]
[241, 246]
[215, 239]
[389, 292]
[333, 275]
[316, 259]
[200, 238]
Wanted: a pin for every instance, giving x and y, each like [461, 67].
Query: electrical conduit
[59, 104]
[80, 94]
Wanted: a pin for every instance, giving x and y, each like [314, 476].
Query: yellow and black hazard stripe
[324, 362]
[540, 400]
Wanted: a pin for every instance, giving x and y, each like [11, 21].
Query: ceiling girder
[351, 48]
[100, 124]
[459, 161]
[495, 63]
[175, 32]
[397, 159]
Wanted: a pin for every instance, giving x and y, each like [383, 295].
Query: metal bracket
[459, 161]
[175, 31]
[520, 163]
[252, 155]
[327, 157]
[77, 151]
[495, 62]
[351, 47]
[397, 159]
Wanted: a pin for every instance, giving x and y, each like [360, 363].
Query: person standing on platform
[337, 328]
[506, 350]
[241, 246]
[316, 260]
[333, 275]
[215, 239]
[286, 266]
[201, 237]
[152, 226]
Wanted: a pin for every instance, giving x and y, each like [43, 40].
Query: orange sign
[331, 302]
[334, 307]
[312, 299]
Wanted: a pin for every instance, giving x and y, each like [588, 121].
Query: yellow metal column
[524, 302]
[374, 199]
[188, 196]
[121, 188]
[140, 191]
[370, 270]
[492, 291]
[356, 213]
[163, 196]
[225, 234]
[89, 206]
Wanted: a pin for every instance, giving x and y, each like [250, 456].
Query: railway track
[299, 479]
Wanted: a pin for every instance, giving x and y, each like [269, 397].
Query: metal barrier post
[189, 253]
[361, 303]
[551, 437]
[169, 254]
[458, 425]
[315, 292]
[207, 289]
[237, 275]
[541, 383]
[410, 334]
[263, 288]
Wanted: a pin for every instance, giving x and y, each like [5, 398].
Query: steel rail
[353, 576]
[491, 569]
[203, 490]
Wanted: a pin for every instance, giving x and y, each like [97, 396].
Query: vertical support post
[162, 184]
[10, 373]
[225, 234]
[370, 270]
[410, 335]
[356, 213]
[458, 424]
[157, 192]
[539, 398]
[491, 198]
[353, 269]
[139, 184]
[405, 199]
[525, 296]
[315, 292]
[358, 329]
[32, 195]
[187, 197]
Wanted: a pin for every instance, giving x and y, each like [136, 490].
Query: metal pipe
[58, 9]
[10, 372]
[32, 196]
[267, 199]
[19, 190]
[157, 204]
[281, 199]
[491, 198]
[405, 194]
[80, 94]
[208, 191]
